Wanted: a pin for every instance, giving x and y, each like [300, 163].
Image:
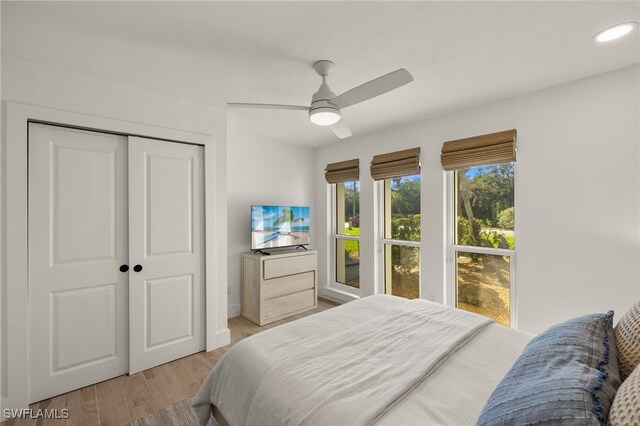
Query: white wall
[577, 195]
[261, 171]
[33, 84]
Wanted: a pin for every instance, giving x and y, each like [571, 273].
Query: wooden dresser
[278, 286]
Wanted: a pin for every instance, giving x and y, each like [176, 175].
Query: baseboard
[335, 295]
[234, 311]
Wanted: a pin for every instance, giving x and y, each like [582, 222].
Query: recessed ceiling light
[615, 32]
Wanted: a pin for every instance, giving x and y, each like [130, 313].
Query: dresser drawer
[284, 305]
[288, 284]
[274, 268]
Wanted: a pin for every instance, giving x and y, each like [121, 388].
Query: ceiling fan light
[615, 32]
[324, 116]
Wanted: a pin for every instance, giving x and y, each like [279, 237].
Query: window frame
[333, 240]
[382, 252]
[452, 249]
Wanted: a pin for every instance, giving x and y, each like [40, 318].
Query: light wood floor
[126, 398]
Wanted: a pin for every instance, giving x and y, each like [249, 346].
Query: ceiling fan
[325, 105]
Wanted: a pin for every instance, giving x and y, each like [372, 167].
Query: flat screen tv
[279, 226]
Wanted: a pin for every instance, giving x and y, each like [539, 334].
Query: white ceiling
[460, 53]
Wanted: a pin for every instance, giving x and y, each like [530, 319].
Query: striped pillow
[566, 375]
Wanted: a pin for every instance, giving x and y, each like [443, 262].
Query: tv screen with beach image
[279, 226]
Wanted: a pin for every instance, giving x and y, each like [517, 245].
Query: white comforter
[348, 365]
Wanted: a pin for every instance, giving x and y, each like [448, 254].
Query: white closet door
[166, 240]
[77, 243]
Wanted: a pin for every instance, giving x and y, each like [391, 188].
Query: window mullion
[401, 242]
[346, 237]
[484, 250]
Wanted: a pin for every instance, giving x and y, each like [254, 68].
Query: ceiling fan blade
[341, 129]
[373, 88]
[270, 106]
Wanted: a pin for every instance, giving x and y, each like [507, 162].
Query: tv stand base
[264, 253]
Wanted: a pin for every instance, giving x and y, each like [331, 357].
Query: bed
[379, 359]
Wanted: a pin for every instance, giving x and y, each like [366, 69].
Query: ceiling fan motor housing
[322, 98]
[322, 107]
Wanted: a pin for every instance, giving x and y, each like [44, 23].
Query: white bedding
[456, 393]
[329, 368]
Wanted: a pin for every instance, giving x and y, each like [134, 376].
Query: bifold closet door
[77, 243]
[166, 251]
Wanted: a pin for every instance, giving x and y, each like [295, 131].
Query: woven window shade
[396, 164]
[494, 148]
[344, 171]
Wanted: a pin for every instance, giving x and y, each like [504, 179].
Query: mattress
[453, 392]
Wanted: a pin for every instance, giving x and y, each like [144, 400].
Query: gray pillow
[566, 375]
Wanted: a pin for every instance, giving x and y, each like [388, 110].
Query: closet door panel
[78, 208]
[170, 294]
[166, 238]
[77, 241]
[169, 215]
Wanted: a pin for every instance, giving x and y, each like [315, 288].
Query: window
[402, 236]
[399, 173]
[347, 234]
[483, 243]
[482, 223]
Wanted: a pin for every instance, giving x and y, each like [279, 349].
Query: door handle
[124, 268]
[137, 268]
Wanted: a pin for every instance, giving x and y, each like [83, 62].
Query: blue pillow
[566, 375]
